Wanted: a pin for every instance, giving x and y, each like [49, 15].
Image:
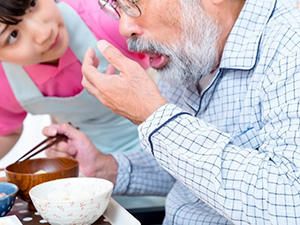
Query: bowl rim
[44, 158]
[11, 194]
[111, 186]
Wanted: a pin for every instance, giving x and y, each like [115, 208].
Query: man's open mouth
[157, 61]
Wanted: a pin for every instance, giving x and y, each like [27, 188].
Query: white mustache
[140, 45]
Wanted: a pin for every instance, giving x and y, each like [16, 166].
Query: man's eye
[12, 37]
[32, 4]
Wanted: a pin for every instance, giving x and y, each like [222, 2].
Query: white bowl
[79, 200]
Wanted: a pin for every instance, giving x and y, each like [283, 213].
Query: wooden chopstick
[57, 138]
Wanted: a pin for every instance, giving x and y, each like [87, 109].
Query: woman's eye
[12, 37]
[32, 4]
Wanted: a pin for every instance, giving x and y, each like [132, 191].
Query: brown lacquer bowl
[29, 173]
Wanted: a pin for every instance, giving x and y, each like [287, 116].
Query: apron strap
[21, 83]
[81, 36]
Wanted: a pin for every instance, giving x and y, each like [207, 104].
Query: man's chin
[178, 76]
[169, 75]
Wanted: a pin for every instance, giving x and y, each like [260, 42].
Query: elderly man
[224, 122]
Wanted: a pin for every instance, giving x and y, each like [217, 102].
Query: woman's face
[41, 36]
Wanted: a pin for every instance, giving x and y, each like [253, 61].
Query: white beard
[197, 53]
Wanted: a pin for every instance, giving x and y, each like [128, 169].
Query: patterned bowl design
[7, 201]
[72, 201]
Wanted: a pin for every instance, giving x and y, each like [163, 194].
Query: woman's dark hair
[10, 10]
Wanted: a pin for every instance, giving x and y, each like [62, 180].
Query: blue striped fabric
[234, 150]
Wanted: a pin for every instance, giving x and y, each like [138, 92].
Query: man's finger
[53, 152]
[49, 131]
[90, 57]
[90, 72]
[110, 69]
[90, 87]
[89, 63]
[114, 56]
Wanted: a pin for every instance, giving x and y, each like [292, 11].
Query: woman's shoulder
[2, 74]
[73, 3]
[97, 21]
[82, 6]
[4, 84]
[6, 95]
[100, 24]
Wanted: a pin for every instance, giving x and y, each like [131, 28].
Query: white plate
[117, 215]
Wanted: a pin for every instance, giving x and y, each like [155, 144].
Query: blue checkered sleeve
[139, 174]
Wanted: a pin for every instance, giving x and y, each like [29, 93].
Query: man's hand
[92, 162]
[132, 94]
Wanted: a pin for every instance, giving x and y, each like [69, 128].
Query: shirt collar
[41, 73]
[241, 48]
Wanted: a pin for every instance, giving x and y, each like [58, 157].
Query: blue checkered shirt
[235, 149]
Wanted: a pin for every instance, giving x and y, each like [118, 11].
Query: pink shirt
[63, 80]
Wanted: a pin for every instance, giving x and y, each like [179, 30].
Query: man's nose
[129, 26]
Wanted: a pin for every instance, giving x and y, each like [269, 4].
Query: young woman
[42, 43]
